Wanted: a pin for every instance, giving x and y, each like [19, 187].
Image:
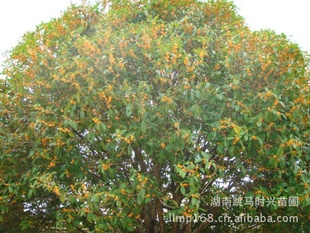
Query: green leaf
[237, 129]
[175, 203]
[182, 173]
[71, 123]
[80, 29]
[260, 141]
[183, 190]
[143, 126]
[280, 151]
[141, 196]
[192, 182]
[231, 150]
[129, 150]
[128, 110]
[111, 172]
[91, 217]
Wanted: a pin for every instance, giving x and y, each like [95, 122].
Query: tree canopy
[139, 116]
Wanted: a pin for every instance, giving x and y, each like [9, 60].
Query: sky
[284, 16]
[291, 17]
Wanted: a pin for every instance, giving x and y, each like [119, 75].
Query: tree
[139, 116]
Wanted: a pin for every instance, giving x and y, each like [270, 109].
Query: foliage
[115, 120]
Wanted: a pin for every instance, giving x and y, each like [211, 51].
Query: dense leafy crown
[116, 116]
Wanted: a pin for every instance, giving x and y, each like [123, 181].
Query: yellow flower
[264, 66]
[52, 164]
[96, 120]
[56, 191]
[236, 140]
[105, 166]
[187, 86]
[186, 61]
[166, 99]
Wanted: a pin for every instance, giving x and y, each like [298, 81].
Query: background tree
[119, 117]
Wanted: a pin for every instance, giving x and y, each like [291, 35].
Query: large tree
[134, 116]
